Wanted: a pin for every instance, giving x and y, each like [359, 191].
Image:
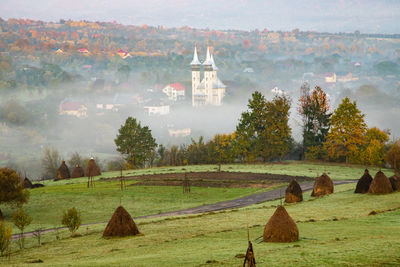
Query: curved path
[229, 204]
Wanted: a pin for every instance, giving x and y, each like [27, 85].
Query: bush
[72, 220]
[5, 237]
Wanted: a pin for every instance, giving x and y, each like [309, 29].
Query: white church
[209, 90]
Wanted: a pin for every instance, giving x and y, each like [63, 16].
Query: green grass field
[334, 230]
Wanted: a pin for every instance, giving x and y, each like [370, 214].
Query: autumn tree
[221, 149]
[393, 156]
[50, 160]
[11, 188]
[197, 151]
[314, 108]
[21, 220]
[373, 152]
[135, 142]
[347, 132]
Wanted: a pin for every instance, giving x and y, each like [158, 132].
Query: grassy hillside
[334, 230]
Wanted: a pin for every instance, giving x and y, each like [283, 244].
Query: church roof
[208, 58]
[218, 84]
[195, 60]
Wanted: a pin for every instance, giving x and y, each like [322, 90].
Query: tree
[347, 133]
[373, 153]
[11, 188]
[277, 135]
[21, 220]
[221, 149]
[72, 220]
[393, 156]
[197, 152]
[314, 108]
[250, 128]
[75, 159]
[50, 162]
[136, 142]
[5, 237]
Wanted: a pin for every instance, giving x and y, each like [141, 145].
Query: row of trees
[263, 134]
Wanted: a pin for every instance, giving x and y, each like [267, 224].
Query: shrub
[21, 220]
[72, 220]
[5, 237]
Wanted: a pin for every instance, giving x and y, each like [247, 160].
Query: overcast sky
[368, 16]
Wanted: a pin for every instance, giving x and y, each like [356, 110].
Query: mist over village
[184, 134]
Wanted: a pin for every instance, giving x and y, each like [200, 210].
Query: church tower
[195, 64]
[208, 76]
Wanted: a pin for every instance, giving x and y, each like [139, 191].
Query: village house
[76, 109]
[174, 91]
[123, 54]
[179, 132]
[157, 109]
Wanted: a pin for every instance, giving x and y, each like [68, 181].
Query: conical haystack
[27, 183]
[92, 169]
[395, 181]
[380, 185]
[281, 227]
[77, 172]
[293, 192]
[364, 183]
[121, 224]
[63, 171]
[323, 186]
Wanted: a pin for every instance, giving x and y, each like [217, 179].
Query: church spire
[195, 60]
[213, 63]
[208, 57]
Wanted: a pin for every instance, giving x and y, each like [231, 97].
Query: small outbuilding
[27, 183]
[323, 186]
[293, 193]
[380, 185]
[281, 227]
[121, 224]
[364, 183]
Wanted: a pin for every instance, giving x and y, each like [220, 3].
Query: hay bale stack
[63, 171]
[293, 193]
[27, 183]
[364, 183]
[395, 181]
[77, 172]
[380, 185]
[323, 186]
[92, 169]
[121, 224]
[1, 216]
[281, 227]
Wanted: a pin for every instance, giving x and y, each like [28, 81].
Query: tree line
[263, 134]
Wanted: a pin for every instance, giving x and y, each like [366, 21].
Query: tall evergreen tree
[347, 133]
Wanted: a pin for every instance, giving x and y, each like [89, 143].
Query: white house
[76, 109]
[174, 91]
[179, 132]
[155, 110]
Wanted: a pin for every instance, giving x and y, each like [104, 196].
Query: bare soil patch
[217, 179]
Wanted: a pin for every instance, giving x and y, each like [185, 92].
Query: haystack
[364, 183]
[77, 172]
[1, 216]
[92, 169]
[281, 227]
[395, 181]
[323, 186]
[63, 171]
[121, 224]
[27, 183]
[293, 192]
[380, 185]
